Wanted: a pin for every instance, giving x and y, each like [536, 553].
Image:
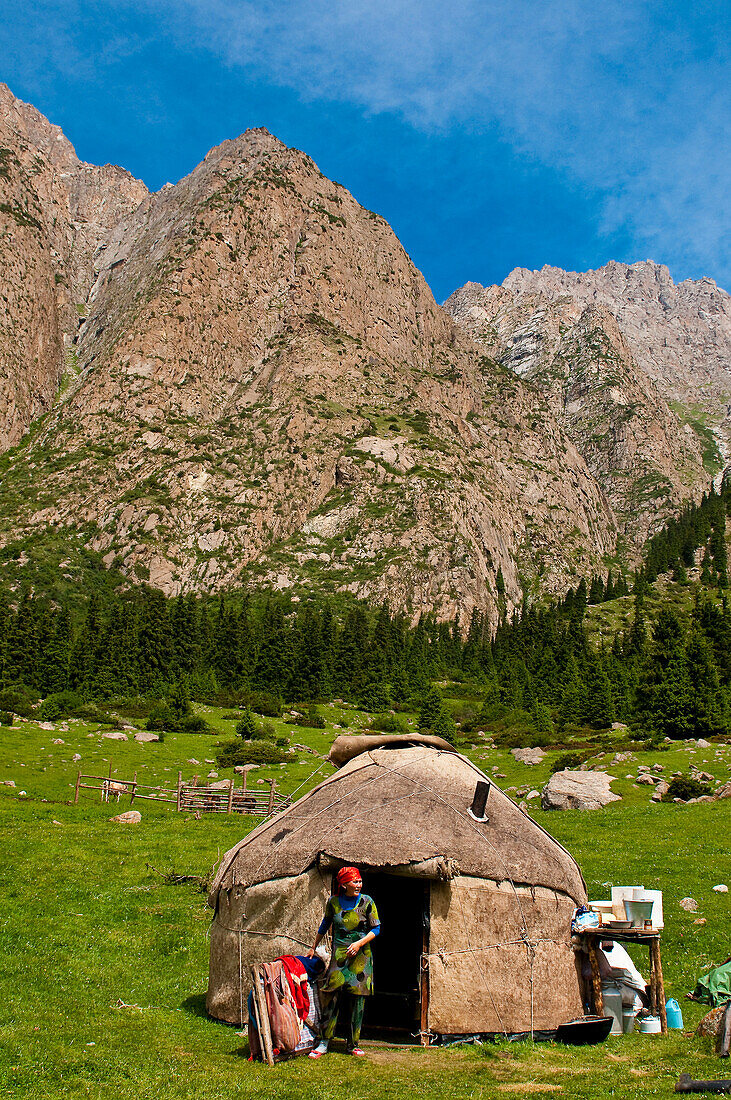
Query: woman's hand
[354, 948]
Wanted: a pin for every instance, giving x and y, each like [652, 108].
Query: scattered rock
[206, 761]
[703, 744]
[523, 806]
[46, 726]
[724, 791]
[54, 822]
[213, 775]
[8, 782]
[618, 726]
[499, 775]
[644, 768]
[533, 794]
[115, 735]
[76, 757]
[192, 761]
[143, 736]
[700, 920]
[622, 757]
[58, 741]
[720, 889]
[645, 780]
[22, 794]
[703, 777]
[658, 767]
[528, 756]
[130, 817]
[221, 785]
[689, 904]
[661, 789]
[712, 1023]
[574, 790]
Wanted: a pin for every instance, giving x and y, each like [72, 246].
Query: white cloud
[629, 99]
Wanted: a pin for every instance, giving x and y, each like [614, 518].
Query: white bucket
[650, 1025]
[628, 1019]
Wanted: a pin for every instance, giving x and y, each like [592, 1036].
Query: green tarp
[715, 988]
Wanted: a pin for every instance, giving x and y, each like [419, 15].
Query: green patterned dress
[349, 925]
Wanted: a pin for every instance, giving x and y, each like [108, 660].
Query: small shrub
[6, 718]
[162, 717]
[683, 786]
[313, 720]
[262, 702]
[568, 760]
[18, 698]
[282, 742]
[136, 708]
[231, 716]
[61, 704]
[231, 754]
[193, 723]
[388, 723]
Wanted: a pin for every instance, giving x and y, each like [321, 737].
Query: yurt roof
[395, 807]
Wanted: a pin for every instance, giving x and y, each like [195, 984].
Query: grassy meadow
[105, 960]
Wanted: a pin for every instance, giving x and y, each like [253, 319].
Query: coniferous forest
[665, 667]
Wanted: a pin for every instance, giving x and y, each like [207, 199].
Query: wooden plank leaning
[265, 1034]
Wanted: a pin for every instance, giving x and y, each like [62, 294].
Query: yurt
[475, 899]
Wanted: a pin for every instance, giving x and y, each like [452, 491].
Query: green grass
[105, 964]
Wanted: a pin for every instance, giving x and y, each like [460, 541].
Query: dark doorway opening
[403, 907]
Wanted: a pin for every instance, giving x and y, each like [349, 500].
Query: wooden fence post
[134, 789]
[230, 797]
[180, 791]
[272, 789]
[76, 792]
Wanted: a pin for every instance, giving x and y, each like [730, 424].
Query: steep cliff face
[634, 410]
[54, 213]
[266, 391]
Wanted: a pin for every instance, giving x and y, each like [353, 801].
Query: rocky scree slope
[55, 211]
[637, 369]
[268, 391]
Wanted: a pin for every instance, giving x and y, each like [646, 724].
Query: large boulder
[528, 756]
[573, 790]
[724, 791]
[130, 817]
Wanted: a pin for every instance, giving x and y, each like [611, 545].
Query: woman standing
[353, 918]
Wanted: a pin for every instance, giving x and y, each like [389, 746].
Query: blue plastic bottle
[675, 1016]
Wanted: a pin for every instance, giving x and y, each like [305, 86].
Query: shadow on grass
[196, 1006]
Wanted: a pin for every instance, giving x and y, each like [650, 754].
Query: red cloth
[297, 978]
[346, 875]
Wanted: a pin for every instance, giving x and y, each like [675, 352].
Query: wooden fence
[188, 797]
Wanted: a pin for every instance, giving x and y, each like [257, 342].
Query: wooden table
[645, 937]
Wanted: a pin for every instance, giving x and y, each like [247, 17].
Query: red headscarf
[346, 875]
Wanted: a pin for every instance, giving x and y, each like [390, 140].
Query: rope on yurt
[241, 983]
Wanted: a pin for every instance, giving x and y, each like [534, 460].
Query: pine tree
[246, 727]
[431, 707]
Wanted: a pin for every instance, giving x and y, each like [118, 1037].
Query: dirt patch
[530, 1086]
[396, 1056]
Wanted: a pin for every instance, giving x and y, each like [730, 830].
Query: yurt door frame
[401, 978]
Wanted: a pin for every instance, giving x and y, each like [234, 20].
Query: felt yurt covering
[496, 954]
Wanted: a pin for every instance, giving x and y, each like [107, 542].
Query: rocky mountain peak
[265, 391]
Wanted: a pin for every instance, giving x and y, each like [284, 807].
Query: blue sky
[491, 134]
